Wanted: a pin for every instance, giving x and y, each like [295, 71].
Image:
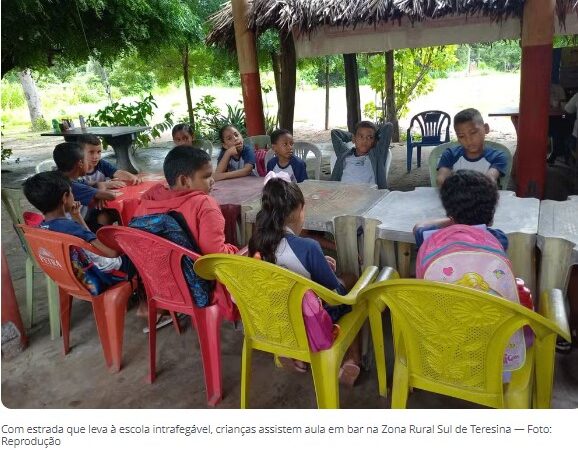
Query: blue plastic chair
[431, 124]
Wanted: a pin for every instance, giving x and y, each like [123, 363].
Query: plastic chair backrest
[260, 141]
[452, 338]
[431, 125]
[436, 154]
[268, 157]
[52, 253]
[45, 166]
[158, 262]
[269, 300]
[11, 199]
[205, 145]
[301, 148]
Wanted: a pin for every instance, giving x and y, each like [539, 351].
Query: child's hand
[115, 184]
[332, 263]
[132, 179]
[75, 210]
[232, 151]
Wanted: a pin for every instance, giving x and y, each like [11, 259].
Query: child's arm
[339, 139]
[438, 223]
[105, 195]
[211, 226]
[77, 217]
[221, 172]
[443, 173]
[128, 177]
[445, 165]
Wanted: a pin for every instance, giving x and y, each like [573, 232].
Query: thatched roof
[307, 15]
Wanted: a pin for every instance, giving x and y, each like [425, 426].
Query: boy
[365, 161]
[189, 174]
[284, 160]
[51, 194]
[471, 154]
[469, 198]
[69, 159]
[100, 173]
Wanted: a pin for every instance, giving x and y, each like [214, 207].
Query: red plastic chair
[52, 251]
[158, 261]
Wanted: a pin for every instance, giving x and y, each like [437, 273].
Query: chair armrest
[553, 308]
[351, 297]
[387, 273]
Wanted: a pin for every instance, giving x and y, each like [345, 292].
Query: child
[284, 160]
[51, 193]
[189, 174]
[276, 239]
[365, 161]
[100, 173]
[472, 153]
[236, 159]
[469, 198]
[183, 134]
[69, 159]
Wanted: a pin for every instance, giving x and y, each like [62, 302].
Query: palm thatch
[306, 16]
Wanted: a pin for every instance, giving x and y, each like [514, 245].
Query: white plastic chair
[301, 148]
[45, 166]
[205, 145]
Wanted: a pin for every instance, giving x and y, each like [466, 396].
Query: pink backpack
[471, 256]
[260, 160]
[318, 324]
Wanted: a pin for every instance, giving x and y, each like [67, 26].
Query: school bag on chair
[471, 256]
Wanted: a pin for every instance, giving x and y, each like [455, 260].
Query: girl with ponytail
[276, 240]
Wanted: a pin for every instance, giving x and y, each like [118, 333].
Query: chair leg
[98, 310]
[376, 325]
[245, 373]
[419, 156]
[409, 157]
[176, 324]
[400, 389]
[53, 308]
[544, 376]
[29, 292]
[152, 310]
[208, 324]
[325, 377]
[65, 310]
[115, 302]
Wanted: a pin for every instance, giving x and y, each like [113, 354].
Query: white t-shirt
[288, 170]
[358, 170]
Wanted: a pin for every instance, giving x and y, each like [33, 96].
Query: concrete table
[393, 218]
[120, 139]
[333, 207]
[558, 242]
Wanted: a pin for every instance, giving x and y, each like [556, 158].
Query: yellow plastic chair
[450, 340]
[269, 300]
[436, 154]
[12, 198]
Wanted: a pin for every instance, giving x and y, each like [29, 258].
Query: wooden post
[352, 90]
[537, 38]
[249, 69]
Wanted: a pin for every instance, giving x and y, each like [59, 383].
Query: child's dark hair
[275, 135]
[469, 197]
[183, 127]
[45, 190]
[225, 127]
[66, 155]
[468, 115]
[364, 124]
[279, 200]
[183, 160]
[88, 139]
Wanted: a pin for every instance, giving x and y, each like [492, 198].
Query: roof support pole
[537, 39]
[248, 68]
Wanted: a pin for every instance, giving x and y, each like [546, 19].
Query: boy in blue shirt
[364, 161]
[472, 154]
[51, 193]
[284, 159]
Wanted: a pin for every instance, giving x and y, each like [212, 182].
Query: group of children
[84, 179]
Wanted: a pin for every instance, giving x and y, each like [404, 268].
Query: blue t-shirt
[83, 193]
[296, 168]
[247, 157]
[68, 226]
[456, 159]
[102, 171]
[498, 234]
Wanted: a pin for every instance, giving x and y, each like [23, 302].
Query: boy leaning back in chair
[471, 154]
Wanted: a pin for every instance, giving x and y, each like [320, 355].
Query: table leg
[345, 232]
[555, 264]
[121, 146]
[522, 254]
[404, 258]
[387, 254]
[370, 243]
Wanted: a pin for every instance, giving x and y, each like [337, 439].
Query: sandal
[563, 346]
[293, 365]
[162, 321]
[349, 373]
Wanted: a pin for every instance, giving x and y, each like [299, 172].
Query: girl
[236, 159]
[284, 160]
[183, 134]
[276, 240]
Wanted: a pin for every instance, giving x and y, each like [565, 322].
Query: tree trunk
[326, 92]
[391, 110]
[276, 76]
[352, 91]
[188, 87]
[288, 66]
[31, 94]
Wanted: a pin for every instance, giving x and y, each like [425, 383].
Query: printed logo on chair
[48, 258]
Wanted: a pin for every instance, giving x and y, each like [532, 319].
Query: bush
[12, 95]
[40, 124]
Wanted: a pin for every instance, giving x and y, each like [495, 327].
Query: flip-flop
[348, 374]
[162, 321]
[292, 365]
